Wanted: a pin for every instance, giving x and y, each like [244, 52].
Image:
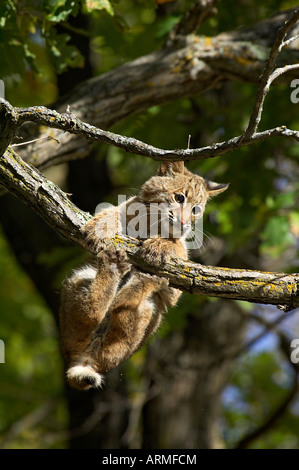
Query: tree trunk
[188, 371]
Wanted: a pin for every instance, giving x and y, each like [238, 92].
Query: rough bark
[68, 122]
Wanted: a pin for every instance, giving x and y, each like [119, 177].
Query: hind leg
[86, 297]
[131, 313]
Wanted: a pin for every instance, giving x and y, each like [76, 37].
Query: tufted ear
[215, 188]
[171, 168]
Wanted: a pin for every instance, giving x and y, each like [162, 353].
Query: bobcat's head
[178, 196]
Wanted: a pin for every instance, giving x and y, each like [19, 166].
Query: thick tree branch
[52, 204]
[45, 198]
[8, 124]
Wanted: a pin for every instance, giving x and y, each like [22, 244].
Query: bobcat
[109, 309]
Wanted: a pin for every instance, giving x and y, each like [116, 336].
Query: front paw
[114, 259]
[156, 251]
[100, 229]
[91, 238]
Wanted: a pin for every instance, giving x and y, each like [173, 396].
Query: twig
[288, 41]
[48, 137]
[280, 71]
[269, 326]
[158, 78]
[265, 79]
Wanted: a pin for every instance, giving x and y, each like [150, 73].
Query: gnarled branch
[54, 206]
[70, 123]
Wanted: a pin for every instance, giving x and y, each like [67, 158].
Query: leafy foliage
[23, 23]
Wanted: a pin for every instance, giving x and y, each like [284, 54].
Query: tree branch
[270, 74]
[54, 206]
[269, 326]
[200, 64]
[8, 124]
[198, 13]
[68, 122]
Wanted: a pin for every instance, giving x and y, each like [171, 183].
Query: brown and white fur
[109, 309]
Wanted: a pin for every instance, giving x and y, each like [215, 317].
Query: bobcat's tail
[84, 377]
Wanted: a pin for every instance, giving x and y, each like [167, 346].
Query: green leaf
[63, 54]
[7, 10]
[62, 10]
[283, 200]
[276, 229]
[167, 25]
[276, 235]
[99, 5]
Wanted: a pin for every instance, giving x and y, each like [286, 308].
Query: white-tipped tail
[84, 377]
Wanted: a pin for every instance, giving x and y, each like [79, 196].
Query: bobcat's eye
[180, 198]
[196, 210]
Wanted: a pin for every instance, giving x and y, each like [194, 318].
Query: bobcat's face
[182, 212]
[175, 199]
[182, 200]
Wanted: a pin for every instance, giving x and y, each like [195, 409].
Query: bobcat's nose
[183, 220]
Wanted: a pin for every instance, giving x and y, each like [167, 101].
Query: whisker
[209, 238]
[205, 234]
[197, 238]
